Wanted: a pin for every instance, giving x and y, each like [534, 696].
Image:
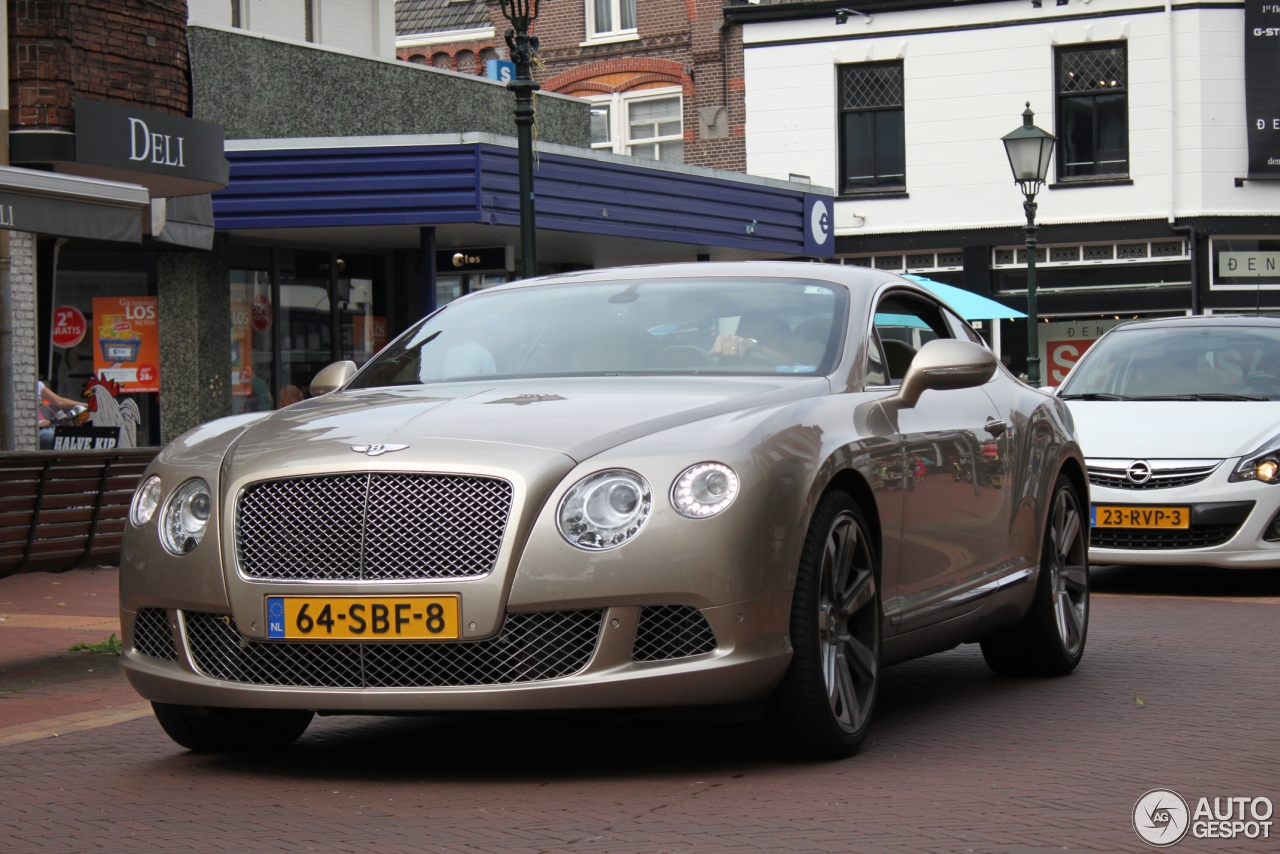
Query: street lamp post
[1029, 149]
[523, 46]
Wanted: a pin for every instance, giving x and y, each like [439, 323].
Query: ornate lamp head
[1029, 149]
[519, 11]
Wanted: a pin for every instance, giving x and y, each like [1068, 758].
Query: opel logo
[1139, 472]
[375, 450]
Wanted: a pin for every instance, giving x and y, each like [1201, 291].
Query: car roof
[1237, 320]
[848, 275]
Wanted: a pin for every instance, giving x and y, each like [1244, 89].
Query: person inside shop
[49, 407]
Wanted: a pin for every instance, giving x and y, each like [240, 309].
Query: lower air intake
[151, 634]
[671, 631]
[530, 648]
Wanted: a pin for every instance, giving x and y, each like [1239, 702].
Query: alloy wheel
[1069, 570]
[848, 620]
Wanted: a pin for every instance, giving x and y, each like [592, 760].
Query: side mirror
[945, 364]
[333, 377]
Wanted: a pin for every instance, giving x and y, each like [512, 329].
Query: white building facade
[901, 109]
[366, 27]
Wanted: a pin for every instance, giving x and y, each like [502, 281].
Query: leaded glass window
[1093, 111]
[872, 136]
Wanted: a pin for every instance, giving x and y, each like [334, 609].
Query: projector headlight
[604, 510]
[186, 517]
[1262, 465]
[704, 490]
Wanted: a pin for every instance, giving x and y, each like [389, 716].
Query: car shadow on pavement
[1185, 581]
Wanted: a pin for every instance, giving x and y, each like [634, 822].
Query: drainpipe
[1188, 230]
[8, 430]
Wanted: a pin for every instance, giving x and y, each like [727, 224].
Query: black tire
[213, 730]
[823, 708]
[1050, 639]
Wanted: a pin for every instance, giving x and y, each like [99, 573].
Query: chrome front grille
[530, 648]
[152, 636]
[1165, 474]
[372, 526]
[665, 632]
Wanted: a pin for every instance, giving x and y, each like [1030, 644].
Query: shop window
[466, 61]
[1093, 111]
[872, 134]
[252, 357]
[610, 18]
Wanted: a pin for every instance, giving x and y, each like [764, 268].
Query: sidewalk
[41, 616]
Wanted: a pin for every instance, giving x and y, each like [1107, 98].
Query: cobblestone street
[1178, 689]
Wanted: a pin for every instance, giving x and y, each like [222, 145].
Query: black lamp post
[523, 46]
[1029, 149]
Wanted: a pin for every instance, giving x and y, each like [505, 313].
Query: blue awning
[967, 304]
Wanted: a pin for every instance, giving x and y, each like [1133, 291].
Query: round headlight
[604, 510]
[186, 517]
[704, 490]
[145, 502]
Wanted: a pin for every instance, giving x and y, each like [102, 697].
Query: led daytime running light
[704, 490]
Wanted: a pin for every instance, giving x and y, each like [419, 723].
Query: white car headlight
[186, 517]
[1263, 465]
[604, 510]
[145, 502]
[704, 490]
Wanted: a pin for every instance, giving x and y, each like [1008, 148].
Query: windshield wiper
[1094, 395]
[1208, 396]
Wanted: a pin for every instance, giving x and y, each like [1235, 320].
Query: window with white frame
[648, 124]
[608, 19]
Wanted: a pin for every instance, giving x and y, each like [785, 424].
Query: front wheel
[206, 729]
[823, 707]
[1050, 639]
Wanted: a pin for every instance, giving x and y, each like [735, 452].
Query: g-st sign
[135, 140]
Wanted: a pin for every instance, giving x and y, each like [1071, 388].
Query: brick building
[447, 34]
[664, 77]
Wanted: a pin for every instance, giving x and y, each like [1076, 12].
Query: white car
[1179, 420]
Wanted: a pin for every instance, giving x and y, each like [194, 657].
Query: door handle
[995, 428]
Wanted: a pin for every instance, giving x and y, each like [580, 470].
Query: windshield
[660, 326]
[1193, 362]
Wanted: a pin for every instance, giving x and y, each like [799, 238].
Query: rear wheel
[823, 707]
[207, 729]
[1050, 639]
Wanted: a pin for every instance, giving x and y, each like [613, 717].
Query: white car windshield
[716, 326]
[1182, 363]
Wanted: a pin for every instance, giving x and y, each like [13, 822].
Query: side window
[875, 374]
[960, 329]
[905, 323]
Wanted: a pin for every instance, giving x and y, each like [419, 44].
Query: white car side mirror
[333, 377]
[944, 364]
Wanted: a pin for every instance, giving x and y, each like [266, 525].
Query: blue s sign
[819, 226]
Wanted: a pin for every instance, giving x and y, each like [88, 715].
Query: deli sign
[186, 151]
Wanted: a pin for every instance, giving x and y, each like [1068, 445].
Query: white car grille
[1161, 474]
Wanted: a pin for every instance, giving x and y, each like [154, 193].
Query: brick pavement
[958, 761]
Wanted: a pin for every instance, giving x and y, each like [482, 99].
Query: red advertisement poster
[126, 342]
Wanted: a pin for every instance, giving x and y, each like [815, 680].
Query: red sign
[1063, 356]
[69, 326]
[261, 313]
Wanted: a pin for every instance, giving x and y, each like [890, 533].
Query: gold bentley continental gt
[753, 484]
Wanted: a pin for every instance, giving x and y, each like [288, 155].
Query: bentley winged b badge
[375, 450]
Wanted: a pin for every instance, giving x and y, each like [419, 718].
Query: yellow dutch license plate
[1141, 517]
[364, 618]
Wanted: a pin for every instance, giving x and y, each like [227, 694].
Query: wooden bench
[64, 509]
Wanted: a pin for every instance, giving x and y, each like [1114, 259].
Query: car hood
[577, 417]
[1195, 429]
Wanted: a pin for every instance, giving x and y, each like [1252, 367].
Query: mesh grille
[671, 631]
[1092, 70]
[530, 648]
[870, 85]
[151, 634]
[372, 526]
[1199, 537]
[1160, 478]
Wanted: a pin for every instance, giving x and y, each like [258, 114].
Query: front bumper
[750, 657]
[1243, 549]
